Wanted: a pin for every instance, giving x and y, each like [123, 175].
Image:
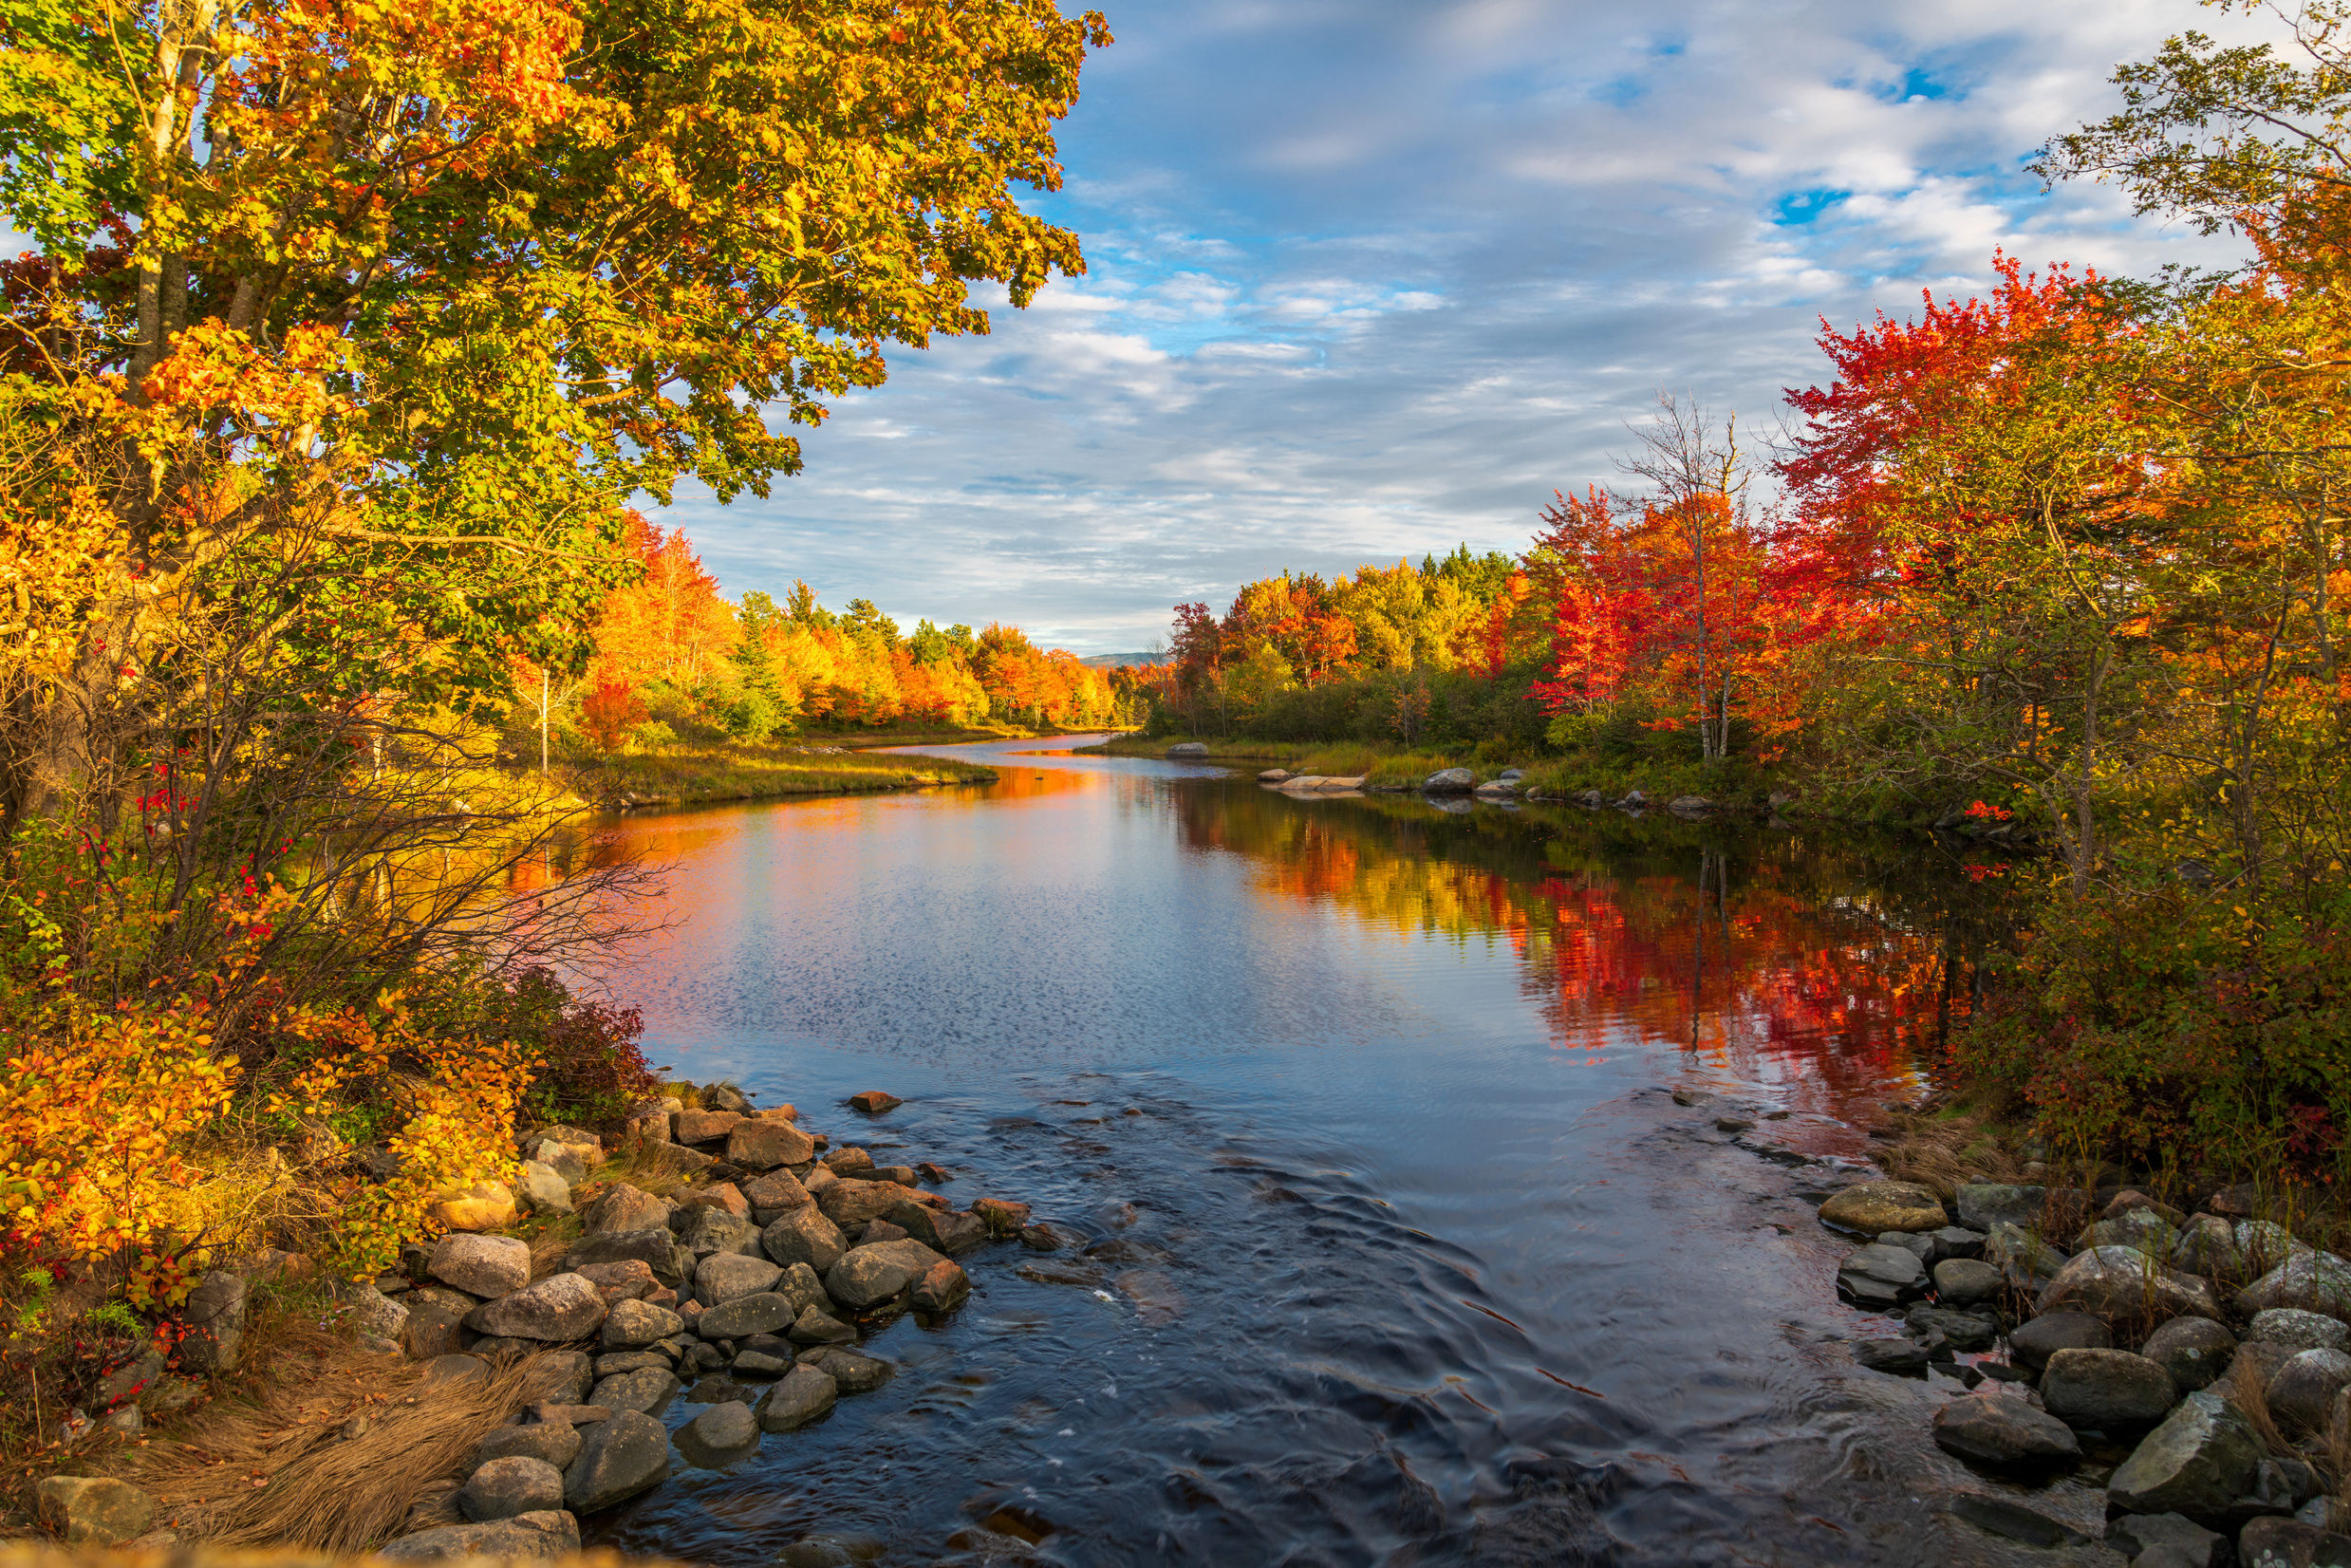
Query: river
[1367, 1102]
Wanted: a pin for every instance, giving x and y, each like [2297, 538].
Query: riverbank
[693, 775]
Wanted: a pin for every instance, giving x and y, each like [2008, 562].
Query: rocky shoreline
[748, 1291]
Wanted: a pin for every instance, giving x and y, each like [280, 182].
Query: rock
[555, 1443]
[647, 1121]
[1689, 805]
[814, 1326]
[2264, 1245]
[541, 1188]
[2314, 1282]
[2131, 1198]
[804, 1236]
[517, 1483]
[647, 1390]
[2006, 1517]
[762, 1364]
[2004, 1431]
[215, 1315]
[133, 1378]
[773, 1195]
[1048, 1237]
[1875, 1206]
[2208, 1245]
[801, 1286]
[702, 1127]
[1451, 781]
[482, 1205]
[631, 1325]
[941, 1287]
[432, 1328]
[2121, 1285]
[763, 1313]
[805, 1394]
[564, 1160]
[1187, 748]
[766, 1144]
[2305, 1389]
[2106, 1390]
[873, 1102]
[849, 1202]
[1963, 1281]
[2303, 1331]
[654, 1247]
[880, 1230]
[1891, 1356]
[724, 1276]
[569, 1416]
[2142, 1230]
[725, 1194]
[551, 1533]
[1272, 776]
[629, 1279]
[622, 1456]
[93, 1510]
[868, 1275]
[560, 1307]
[2033, 1343]
[949, 1232]
[2025, 1261]
[629, 1361]
[848, 1160]
[484, 1267]
[2275, 1542]
[2197, 1463]
[703, 1231]
[1057, 1271]
[624, 1209]
[366, 1307]
[2195, 1351]
[1963, 1331]
[1984, 1204]
[456, 1369]
[938, 1175]
[559, 1377]
[720, 1435]
[2167, 1540]
[1879, 1275]
[851, 1371]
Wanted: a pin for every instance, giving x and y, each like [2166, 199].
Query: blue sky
[1373, 278]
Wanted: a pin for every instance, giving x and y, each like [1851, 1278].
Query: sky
[1371, 279]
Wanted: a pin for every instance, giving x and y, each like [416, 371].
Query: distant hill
[1112, 660]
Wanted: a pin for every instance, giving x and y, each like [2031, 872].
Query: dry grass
[45, 1554]
[1946, 1151]
[2242, 1386]
[277, 1469]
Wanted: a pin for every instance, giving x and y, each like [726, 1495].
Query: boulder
[815, 1326]
[802, 1286]
[629, 1361]
[1689, 805]
[542, 1189]
[624, 1209]
[2033, 1343]
[773, 1195]
[866, 1276]
[2140, 1229]
[432, 1326]
[654, 1247]
[2197, 1463]
[2314, 1282]
[2208, 1245]
[2303, 1331]
[851, 1371]
[1963, 1282]
[1272, 775]
[762, 1364]
[2004, 1431]
[1873, 1206]
[2005, 1516]
[2106, 1390]
[702, 1127]
[1180, 750]
[2167, 1540]
[764, 1145]
[1918, 1243]
[1902, 1357]
[93, 1510]
[762, 1313]
[456, 1369]
[1956, 1242]
[215, 1336]
[647, 1390]
[2305, 1389]
[1984, 1204]
[2123, 1285]
[1451, 781]
[2265, 1245]
[947, 1231]
[804, 1394]
[724, 1275]
[2195, 1351]
[481, 1206]
[622, 1456]
[2131, 1198]
[631, 1279]
[943, 1286]
[2273, 1543]
[849, 1201]
[804, 1236]
[484, 1267]
[516, 1483]
[708, 1229]
[1962, 1331]
[873, 1102]
[2024, 1260]
[360, 1303]
[1877, 1276]
[720, 1435]
[555, 1443]
[558, 1308]
[849, 1160]
[551, 1533]
[630, 1325]
[1047, 1237]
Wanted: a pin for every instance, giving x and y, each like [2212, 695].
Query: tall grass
[689, 775]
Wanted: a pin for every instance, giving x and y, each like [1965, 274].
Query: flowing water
[1407, 1253]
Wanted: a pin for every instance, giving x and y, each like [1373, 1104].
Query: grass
[1379, 769]
[1219, 751]
[682, 776]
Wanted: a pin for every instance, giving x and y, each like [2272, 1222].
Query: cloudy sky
[1371, 277]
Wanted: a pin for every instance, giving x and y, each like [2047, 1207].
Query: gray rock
[541, 1188]
[2195, 1351]
[214, 1314]
[622, 1456]
[765, 1143]
[2033, 1343]
[2314, 1282]
[2123, 1285]
[647, 1392]
[557, 1377]
[485, 1267]
[2305, 1389]
[762, 1364]
[1902, 1357]
[130, 1380]
[1963, 1331]
[805, 1393]
[1180, 750]
[868, 1275]
[654, 1247]
[1963, 1282]
[2140, 1229]
[560, 1307]
[774, 1195]
[2197, 1463]
[1955, 1242]
[851, 1202]
[622, 1209]
[1918, 1243]
[629, 1361]
[709, 1229]
[1689, 805]
[2003, 1430]
[1451, 781]
[2106, 1390]
[630, 1325]
[516, 1483]
[2024, 1260]
[2303, 1331]
[1873, 1207]
[1879, 1275]
[804, 1236]
[853, 1373]
[723, 1434]
[2290, 1543]
[723, 1277]
[2208, 1245]
[555, 1443]
[1984, 1204]
[802, 1288]
[358, 1302]
[93, 1510]
[456, 1369]
[549, 1534]
[2167, 1540]
[719, 1391]
[817, 1327]
[763, 1313]
[2005, 1516]
[942, 1231]
[2266, 1245]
